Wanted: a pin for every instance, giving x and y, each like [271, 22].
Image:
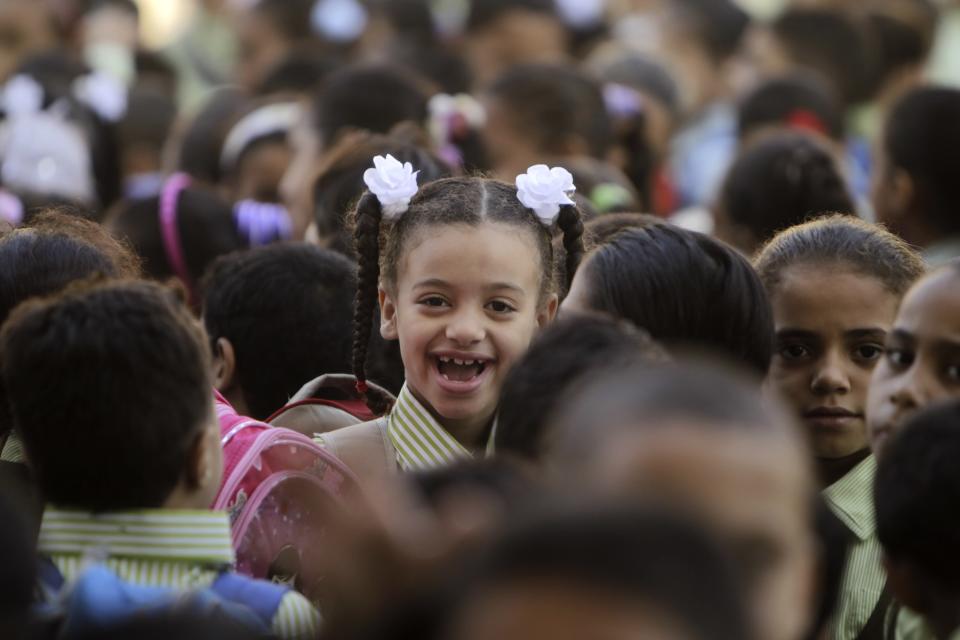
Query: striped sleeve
[296, 619]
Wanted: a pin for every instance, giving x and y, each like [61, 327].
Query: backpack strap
[875, 627]
[260, 596]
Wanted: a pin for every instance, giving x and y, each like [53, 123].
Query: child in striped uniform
[126, 451]
[463, 270]
[835, 285]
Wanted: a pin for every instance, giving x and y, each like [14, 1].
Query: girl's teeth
[460, 362]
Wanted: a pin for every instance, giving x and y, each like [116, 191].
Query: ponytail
[367, 242]
[570, 224]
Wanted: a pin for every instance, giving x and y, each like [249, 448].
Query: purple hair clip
[261, 222]
[622, 101]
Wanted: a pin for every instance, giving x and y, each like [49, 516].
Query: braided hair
[460, 200]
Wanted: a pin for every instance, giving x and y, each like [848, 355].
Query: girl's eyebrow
[871, 332]
[494, 286]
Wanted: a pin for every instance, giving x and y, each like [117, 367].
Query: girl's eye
[868, 352]
[794, 352]
[499, 306]
[953, 373]
[899, 358]
[433, 301]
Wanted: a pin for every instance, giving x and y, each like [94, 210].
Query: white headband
[262, 122]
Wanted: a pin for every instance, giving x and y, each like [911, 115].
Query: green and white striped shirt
[12, 449]
[851, 500]
[176, 549]
[419, 440]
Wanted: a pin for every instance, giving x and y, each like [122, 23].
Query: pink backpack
[277, 486]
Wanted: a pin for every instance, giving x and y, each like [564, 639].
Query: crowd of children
[481, 320]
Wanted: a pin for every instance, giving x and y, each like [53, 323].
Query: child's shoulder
[364, 447]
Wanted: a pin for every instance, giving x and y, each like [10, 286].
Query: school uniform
[407, 439]
[12, 449]
[862, 595]
[161, 548]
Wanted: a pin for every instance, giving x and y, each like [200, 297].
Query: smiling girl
[463, 273]
[835, 285]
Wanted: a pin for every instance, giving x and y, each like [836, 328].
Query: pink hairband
[169, 230]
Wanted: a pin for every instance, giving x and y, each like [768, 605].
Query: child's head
[339, 183]
[904, 32]
[611, 571]
[835, 284]
[916, 192]
[180, 232]
[142, 134]
[564, 355]
[684, 288]
[465, 278]
[538, 112]
[277, 317]
[267, 31]
[110, 390]
[799, 101]
[915, 493]
[200, 143]
[255, 154]
[702, 438]
[921, 363]
[504, 33]
[779, 181]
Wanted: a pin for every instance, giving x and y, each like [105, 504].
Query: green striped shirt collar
[851, 498]
[420, 441]
[200, 537]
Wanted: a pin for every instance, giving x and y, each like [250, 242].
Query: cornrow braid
[367, 241]
[570, 223]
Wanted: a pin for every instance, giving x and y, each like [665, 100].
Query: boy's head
[703, 438]
[561, 357]
[798, 101]
[916, 192]
[109, 388]
[610, 571]
[278, 317]
[536, 112]
[916, 492]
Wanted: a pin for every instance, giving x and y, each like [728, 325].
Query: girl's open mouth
[460, 375]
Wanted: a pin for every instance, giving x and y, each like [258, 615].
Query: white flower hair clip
[103, 93]
[393, 183]
[545, 190]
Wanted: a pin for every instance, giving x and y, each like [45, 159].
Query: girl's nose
[830, 377]
[466, 328]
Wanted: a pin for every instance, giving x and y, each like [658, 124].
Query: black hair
[782, 180]
[790, 101]
[154, 73]
[131, 370]
[564, 355]
[684, 288]
[916, 486]
[498, 478]
[148, 121]
[200, 147]
[904, 33]
[923, 139]
[286, 309]
[833, 44]
[629, 553]
[291, 18]
[868, 248]
[643, 73]
[603, 229]
[206, 227]
[371, 97]
[718, 24]
[448, 201]
[301, 71]
[549, 103]
[339, 183]
[485, 12]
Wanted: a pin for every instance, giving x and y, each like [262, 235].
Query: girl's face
[922, 360]
[465, 307]
[831, 325]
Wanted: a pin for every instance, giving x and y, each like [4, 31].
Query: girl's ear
[224, 365]
[388, 315]
[548, 310]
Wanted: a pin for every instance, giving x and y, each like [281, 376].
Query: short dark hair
[370, 97]
[904, 33]
[287, 310]
[684, 288]
[916, 491]
[718, 24]
[782, 180]
[923, 139]
[548, 102]
[485, 12]
[832, 43]
[200, 147]
[130, 370]
[779, 101]
[560, 358]
[301, 71]
[149, 118]
[866, 247]
[628, 552]
[291, 18]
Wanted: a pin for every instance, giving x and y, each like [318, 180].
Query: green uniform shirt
[176, 549]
